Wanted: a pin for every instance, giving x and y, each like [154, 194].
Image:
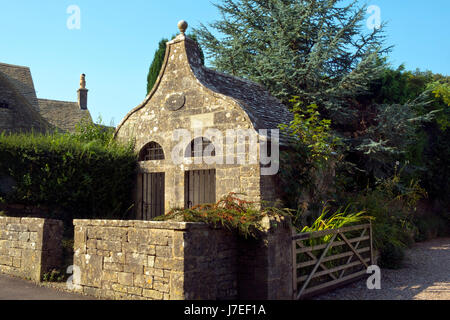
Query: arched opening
[199, 148]
[152, 185]
[200, 185]
[151, 151]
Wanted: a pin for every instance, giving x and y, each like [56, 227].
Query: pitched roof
[20, 77]
[264, 110]
[63, 114]
[23, 116]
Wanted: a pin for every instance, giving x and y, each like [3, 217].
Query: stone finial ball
[182, 25]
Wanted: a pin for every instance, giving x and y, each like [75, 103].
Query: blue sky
[117, 39]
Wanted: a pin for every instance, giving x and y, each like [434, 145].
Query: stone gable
[189, 96]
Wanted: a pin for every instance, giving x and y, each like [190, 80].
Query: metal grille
[199, 187]
[152, 151]
[153, 190]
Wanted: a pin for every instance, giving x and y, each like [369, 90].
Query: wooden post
[372, 259]
[294, 265]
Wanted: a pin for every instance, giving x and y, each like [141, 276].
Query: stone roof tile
[63, 114]
[265, 111]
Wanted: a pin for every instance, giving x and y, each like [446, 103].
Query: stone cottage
[201, 134]
[22, 111]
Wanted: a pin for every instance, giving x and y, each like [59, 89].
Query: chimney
[82, 93]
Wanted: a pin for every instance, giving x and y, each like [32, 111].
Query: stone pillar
[265, 265]
[30, 247]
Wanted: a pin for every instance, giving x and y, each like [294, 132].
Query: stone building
[22, 111]
[201, 134]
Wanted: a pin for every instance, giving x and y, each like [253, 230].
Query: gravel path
[425, 276]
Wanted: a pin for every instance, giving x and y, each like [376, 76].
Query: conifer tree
[158, 60]
[317, 50]
[156, 65]
[322, 52]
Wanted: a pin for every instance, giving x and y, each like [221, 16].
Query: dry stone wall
[30, 247]
[154, 260]
[151, 260]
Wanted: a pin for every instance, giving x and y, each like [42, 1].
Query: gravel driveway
[425, 276]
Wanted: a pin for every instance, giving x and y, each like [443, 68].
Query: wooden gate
[199, 187]
[153, 191]
[328, 259]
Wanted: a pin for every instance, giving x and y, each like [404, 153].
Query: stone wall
[265, 265]
[181, 261]
[30, 247]
[154, 260]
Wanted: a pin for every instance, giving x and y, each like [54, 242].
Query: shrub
[69, 175]
[430, 226]
[392, 204]
[231, 212]
[391, 256]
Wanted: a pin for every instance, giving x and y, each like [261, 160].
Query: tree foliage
[316, 50]
[156, 65]
[322, 53]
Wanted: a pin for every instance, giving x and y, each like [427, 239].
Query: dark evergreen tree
[316, 50]
[156, 65]
[158, 60]
[322, 52]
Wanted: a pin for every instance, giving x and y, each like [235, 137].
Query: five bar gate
[327, 259]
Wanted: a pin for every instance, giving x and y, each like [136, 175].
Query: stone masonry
[181, 261]
[191, 97]
[154, 260]
[30, 247]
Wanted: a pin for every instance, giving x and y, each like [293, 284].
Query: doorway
[153, 191]
[199, 187]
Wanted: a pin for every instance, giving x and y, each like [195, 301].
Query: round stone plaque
[175, 101]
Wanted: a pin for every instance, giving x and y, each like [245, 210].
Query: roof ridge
[13, 65]
[43, 99]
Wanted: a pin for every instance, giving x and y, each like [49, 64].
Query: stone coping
[171, 225]
[26, 220]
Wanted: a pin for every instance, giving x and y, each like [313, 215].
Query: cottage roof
[20, 78]
[24, 115]
[264, 110]
[63, 114]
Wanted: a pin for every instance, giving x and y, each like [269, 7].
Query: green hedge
[68, 174]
